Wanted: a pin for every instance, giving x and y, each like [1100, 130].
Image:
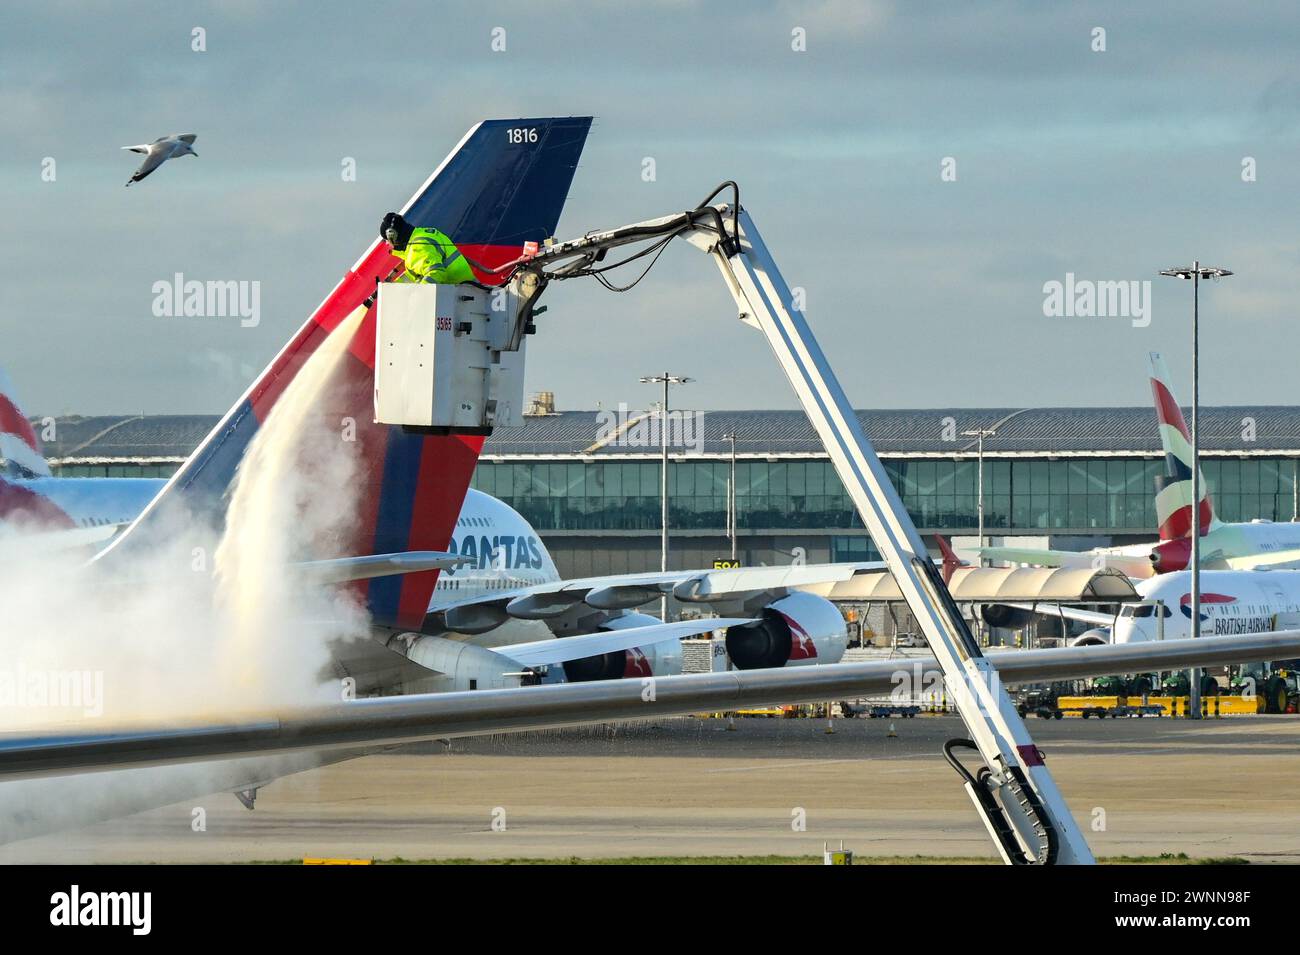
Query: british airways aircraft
[1245, 545]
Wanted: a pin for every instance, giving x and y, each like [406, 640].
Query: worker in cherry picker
[429, 255]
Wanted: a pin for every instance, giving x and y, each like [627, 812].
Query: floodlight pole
[665, 379]
[1194, 273]
[981, 434]
[732, 510]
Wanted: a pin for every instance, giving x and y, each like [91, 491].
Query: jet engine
[1096, 637]
[1007, 618]
[1169, 556]
[1018, 618]
[657, 659]
[460, 666]
[797, 630]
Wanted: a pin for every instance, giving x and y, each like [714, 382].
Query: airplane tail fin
[22, 508]
[20, 449]
[1174, 487]
[504, 184]
[950, 559]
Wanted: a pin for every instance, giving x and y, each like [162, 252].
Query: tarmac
[689, 787]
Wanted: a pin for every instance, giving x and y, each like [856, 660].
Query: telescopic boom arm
[1012, 790]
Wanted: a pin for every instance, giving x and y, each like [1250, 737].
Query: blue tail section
[506, 184]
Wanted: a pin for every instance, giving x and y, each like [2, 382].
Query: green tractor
[1177, 684]
[1132, 685]
[1109, 686]
[1276, 687]
[1141, 684]
[1278, 691]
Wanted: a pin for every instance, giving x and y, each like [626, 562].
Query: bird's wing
[184, 137]
[155, 159]
[137, 149]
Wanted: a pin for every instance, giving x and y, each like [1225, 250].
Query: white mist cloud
[201, 626]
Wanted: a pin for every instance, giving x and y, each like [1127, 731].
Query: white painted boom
[1026, 794]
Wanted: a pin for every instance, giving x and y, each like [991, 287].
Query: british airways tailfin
[21, 458]
[504, 184]
[1174, 487]
[20, 449]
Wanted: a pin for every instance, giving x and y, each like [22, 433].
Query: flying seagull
[161, 150]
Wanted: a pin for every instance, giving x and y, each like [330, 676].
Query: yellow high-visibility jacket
[431, 256]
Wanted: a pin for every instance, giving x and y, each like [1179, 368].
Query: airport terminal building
[589, 481]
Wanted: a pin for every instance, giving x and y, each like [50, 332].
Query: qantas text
[505, 552]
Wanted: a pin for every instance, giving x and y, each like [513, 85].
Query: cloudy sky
[927, 293]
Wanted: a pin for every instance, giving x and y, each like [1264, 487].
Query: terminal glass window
[1021, 495]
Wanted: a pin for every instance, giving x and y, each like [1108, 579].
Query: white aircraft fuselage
[1232, 602]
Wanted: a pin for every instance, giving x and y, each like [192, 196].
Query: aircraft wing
[383, 721]
[1094, 618]
[562, 649]
[1029, 555]
[27, 546]
[1271, 560]
[1138, 566]
[343, 569]
[737, 590]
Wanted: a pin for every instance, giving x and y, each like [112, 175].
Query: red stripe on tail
[1167, 410]
[13, 422]
[1179, 523]
[446, 468]
[26, 510]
